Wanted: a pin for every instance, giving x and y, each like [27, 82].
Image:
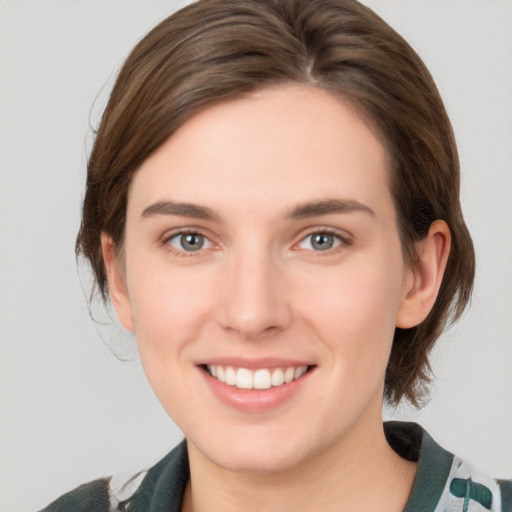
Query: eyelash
[342, 241]
[166, 239]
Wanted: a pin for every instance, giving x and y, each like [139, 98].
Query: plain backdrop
[70, 411]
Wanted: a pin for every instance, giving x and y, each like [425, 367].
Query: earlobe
[116, 284]
[425, 276]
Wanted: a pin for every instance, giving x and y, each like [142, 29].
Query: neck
[359, 472]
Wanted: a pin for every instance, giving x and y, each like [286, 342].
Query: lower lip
[254, 400]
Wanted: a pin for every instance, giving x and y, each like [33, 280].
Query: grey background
[69, 410]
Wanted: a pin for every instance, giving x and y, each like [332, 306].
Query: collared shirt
[444, 483]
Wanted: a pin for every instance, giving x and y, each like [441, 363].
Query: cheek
[354, 308]
[170, 311]
[169, 308]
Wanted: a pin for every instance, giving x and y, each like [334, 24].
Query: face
[263, 277]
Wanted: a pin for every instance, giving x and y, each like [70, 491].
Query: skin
[259, 288]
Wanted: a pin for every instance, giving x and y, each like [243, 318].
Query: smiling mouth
[262, 378]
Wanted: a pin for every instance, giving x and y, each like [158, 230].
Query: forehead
[280, 145]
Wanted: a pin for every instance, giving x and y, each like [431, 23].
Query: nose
[254, 301]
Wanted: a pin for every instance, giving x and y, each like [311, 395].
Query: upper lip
[254, 363]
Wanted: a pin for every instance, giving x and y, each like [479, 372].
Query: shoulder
[466, 485]
[157, 489]
[506, 494]
[445, 481]
[90, 497]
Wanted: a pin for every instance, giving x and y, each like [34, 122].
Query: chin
[262, 452]
[254, 461]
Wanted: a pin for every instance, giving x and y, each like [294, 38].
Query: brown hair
[217, 49]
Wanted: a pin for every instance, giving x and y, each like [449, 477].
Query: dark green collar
[164, 486]
[411, 442]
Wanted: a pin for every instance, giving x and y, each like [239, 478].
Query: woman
[272, 207]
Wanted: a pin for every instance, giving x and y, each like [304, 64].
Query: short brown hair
[213, 50]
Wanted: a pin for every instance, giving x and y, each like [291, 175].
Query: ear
[424, 278]
[116, 284]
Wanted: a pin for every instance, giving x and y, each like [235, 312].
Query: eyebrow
[328, 206]
[181, 210]
[313, 209]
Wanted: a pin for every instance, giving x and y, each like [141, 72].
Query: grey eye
[189, 242]
[320, 241]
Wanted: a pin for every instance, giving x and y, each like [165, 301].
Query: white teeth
[243, 379]
[230, 376]
[299, 372]
[263, 378]
[288, 375]
[277, 377]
